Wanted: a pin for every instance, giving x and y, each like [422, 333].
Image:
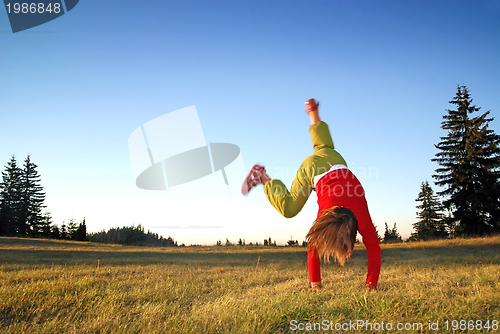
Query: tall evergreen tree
[469, 160]
[81, 232]
[33, 198]
[431, 223]
[11, 199]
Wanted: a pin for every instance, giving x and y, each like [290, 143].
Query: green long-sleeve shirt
[289, 203]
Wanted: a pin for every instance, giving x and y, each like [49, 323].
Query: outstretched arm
[373, 253]
[312, 109]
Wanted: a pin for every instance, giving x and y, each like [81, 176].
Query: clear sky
[73, 90]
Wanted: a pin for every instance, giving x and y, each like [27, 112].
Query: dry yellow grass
[69, 287]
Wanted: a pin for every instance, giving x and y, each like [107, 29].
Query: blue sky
[74, 89]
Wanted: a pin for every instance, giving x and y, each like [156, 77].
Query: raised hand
[312, 106]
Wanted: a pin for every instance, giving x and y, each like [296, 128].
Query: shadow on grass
[443, 255]
[15, 251]
[41, 257]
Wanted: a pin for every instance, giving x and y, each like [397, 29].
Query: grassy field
[51, 286]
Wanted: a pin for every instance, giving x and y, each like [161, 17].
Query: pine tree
[46, 225]
[378, 234]
[81, 232]
[172, 243]
[55, 233]
[395, 234]
[391, 235]
[72, 227]
[431, 223]
[63, 231]
[33, 198]
[11, 200]
[469, 160]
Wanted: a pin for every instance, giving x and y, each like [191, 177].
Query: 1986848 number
[33, 8]
[471, 325]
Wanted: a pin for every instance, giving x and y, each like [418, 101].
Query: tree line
[22, 213]
[22, 202]
[468, 203]
[266, 242]
[133, 235]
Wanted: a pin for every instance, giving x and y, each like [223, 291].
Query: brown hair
[334, 234]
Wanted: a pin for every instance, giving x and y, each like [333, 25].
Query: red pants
[313, 265]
